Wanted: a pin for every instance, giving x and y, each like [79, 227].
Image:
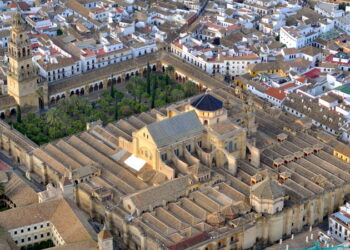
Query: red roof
[288, 86]
[100, 52]
[213, 25]
[301, 79]
[189, 242]
[330, 59]
[23, 6]
[314, 73]
[277, 93]
[88, 53]
[233, 27]
[4, 166]
[35, 45]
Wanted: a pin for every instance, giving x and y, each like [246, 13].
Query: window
[230, 147]
[28, 229]
[42, 235]
[29, 239]
[22, 230]
[35, 237]
[48, 224]
[188, 147]
[164, 157]
[48, 234]
[176, 151]
[22, 240]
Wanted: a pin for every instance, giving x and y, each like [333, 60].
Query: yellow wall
[341, 156]
[256, 73]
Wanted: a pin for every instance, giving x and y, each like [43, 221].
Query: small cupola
[207, 102]
[209, 109]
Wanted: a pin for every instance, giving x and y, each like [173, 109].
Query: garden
[71, 114]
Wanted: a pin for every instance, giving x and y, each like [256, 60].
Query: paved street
[307, 239]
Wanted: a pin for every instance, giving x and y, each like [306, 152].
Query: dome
[215, 219]
[268, 189]
[230, 212]
[207, 103]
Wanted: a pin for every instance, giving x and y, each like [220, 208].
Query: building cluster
[70, 38]
[213, 171]
[34, 216]
[259, 157]
[275, 49]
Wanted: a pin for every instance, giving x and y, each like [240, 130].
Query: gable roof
[173, 129]
[276, 93]
[190, 241]
[207, 103]
[169, 191]
[19, 192]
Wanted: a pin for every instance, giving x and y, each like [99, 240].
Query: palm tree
[170, 70]
[177, 94]
[112, 93]
[18, 114]
[116, 111]
[154, 90]
[167, 93]
[53, 117]
[148, 77]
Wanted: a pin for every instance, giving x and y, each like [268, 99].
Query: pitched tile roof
[169, 191]
[63, 214]
[19, 192]
[170, 130]
[276, 93]
[189, 242]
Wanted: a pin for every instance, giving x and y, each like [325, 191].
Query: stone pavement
[307, 239]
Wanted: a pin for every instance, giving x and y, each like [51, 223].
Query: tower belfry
[22, 75]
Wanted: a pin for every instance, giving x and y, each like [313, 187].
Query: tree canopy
[71, 114]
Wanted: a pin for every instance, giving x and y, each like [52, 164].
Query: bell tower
[22, 75]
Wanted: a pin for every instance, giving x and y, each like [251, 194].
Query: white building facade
[339, 224]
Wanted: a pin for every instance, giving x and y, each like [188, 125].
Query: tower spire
[17, 22]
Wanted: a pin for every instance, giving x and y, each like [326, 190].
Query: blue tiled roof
[207, 103]
[341, 217]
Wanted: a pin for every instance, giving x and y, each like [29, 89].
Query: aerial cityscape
[174, 124]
